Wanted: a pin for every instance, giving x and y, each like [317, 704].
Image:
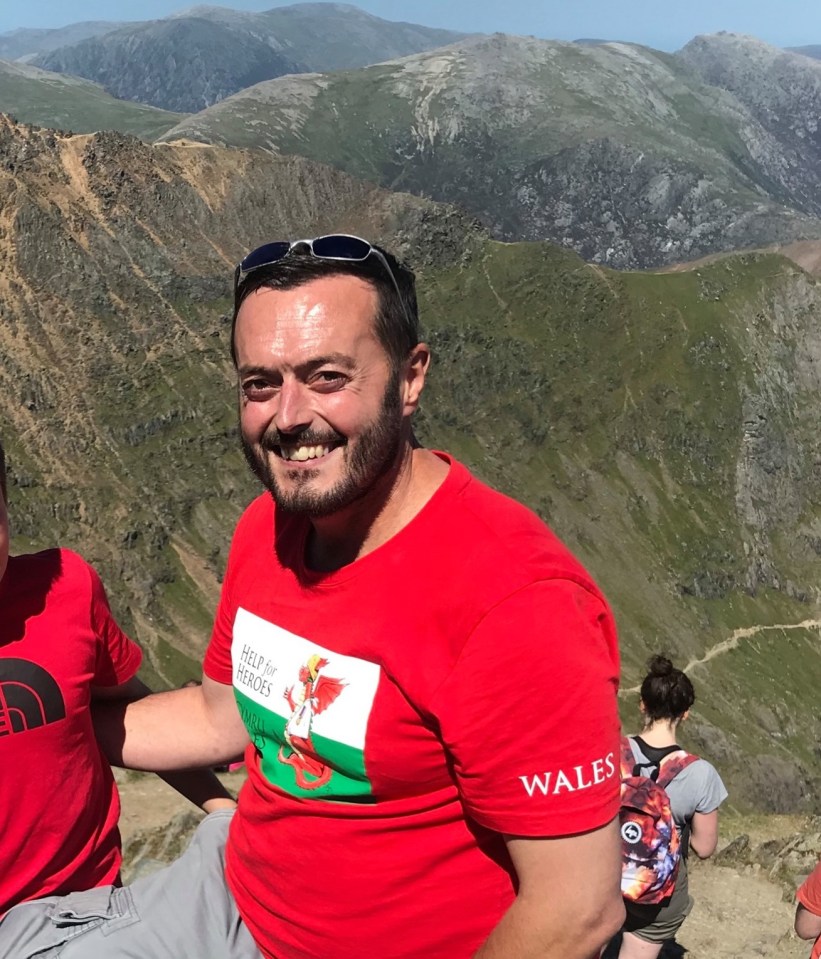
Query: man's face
[4, 536]
[321, 411]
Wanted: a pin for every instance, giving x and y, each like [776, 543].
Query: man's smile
[294, 453]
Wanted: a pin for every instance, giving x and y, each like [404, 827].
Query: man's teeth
[302, 453]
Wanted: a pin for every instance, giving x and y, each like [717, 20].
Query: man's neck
[338, 540]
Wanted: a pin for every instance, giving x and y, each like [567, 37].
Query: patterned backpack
[650, 843]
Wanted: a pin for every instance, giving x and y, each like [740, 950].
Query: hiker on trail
[60, 651]
[423, 674]
[695, 793]
[808, 911]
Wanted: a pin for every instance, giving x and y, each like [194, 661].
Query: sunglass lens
[339, 247]
[263, 255]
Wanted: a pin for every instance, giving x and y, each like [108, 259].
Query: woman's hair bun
[659, 666]
[666, 692]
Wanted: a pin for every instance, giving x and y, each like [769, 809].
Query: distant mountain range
[667, 425]
[632, 157]
[813, 51]
[192, 60]
[25, 44]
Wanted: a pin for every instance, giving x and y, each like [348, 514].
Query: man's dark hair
[397, 323]
[666, 692]
[3, 472]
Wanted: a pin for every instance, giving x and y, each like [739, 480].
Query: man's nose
[294, 409]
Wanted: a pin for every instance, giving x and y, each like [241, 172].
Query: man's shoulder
[56, 575]
[260, 527]
[258, 514]
[54, 562]
[503, 532]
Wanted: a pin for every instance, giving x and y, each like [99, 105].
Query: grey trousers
[184, 911]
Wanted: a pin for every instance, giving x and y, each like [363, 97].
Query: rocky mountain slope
[192, 60]
[330, 36]
[622, 153]
[62, 102]
[782, 91]
[667, 425]
[180, 64]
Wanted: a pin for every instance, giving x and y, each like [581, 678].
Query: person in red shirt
[423, 676]
[808, 911]
[60, 651]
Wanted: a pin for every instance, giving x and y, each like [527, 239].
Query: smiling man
[425, 676]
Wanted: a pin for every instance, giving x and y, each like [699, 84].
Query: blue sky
[664, 25]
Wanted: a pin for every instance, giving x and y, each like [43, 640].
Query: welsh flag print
[306, 709]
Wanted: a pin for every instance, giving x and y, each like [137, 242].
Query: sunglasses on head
[334, 246]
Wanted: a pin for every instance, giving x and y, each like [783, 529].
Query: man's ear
[414, 373]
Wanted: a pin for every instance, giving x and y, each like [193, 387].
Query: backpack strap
[655, 755]
[628, 759]
[672, 765]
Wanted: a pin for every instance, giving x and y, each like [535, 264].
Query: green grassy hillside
[68, 103]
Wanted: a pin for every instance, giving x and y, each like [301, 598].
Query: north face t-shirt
[406, 711]
[58, 801]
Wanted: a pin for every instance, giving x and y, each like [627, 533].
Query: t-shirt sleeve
[708, 786]
[118, 657]
[217, 663]
[809, 893]
[529, 713]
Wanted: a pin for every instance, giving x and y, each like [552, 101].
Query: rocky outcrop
[782, 91]
[785, 860]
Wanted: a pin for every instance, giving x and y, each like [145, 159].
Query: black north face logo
[29, 697]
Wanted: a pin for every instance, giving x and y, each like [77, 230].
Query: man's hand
[569, 902]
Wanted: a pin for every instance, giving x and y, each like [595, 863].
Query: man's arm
[569, 902]
[807, 924]
[199, 786]
[190, 728]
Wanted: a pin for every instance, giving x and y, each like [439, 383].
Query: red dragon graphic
[312, 695]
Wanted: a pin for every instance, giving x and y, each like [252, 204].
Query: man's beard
[372, 456]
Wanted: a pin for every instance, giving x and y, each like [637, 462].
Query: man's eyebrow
[328, 359]
[253, 370]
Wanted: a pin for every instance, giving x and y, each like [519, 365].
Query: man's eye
[329, 379]
[257, 389]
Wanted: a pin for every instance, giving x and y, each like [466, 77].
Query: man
[60, 652]
[426, 675]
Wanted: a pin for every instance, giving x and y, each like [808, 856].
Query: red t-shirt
[809, 895]
[58, 801]
[405, 711]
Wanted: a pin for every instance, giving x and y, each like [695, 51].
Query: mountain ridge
[193, 59]
[622, 153]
